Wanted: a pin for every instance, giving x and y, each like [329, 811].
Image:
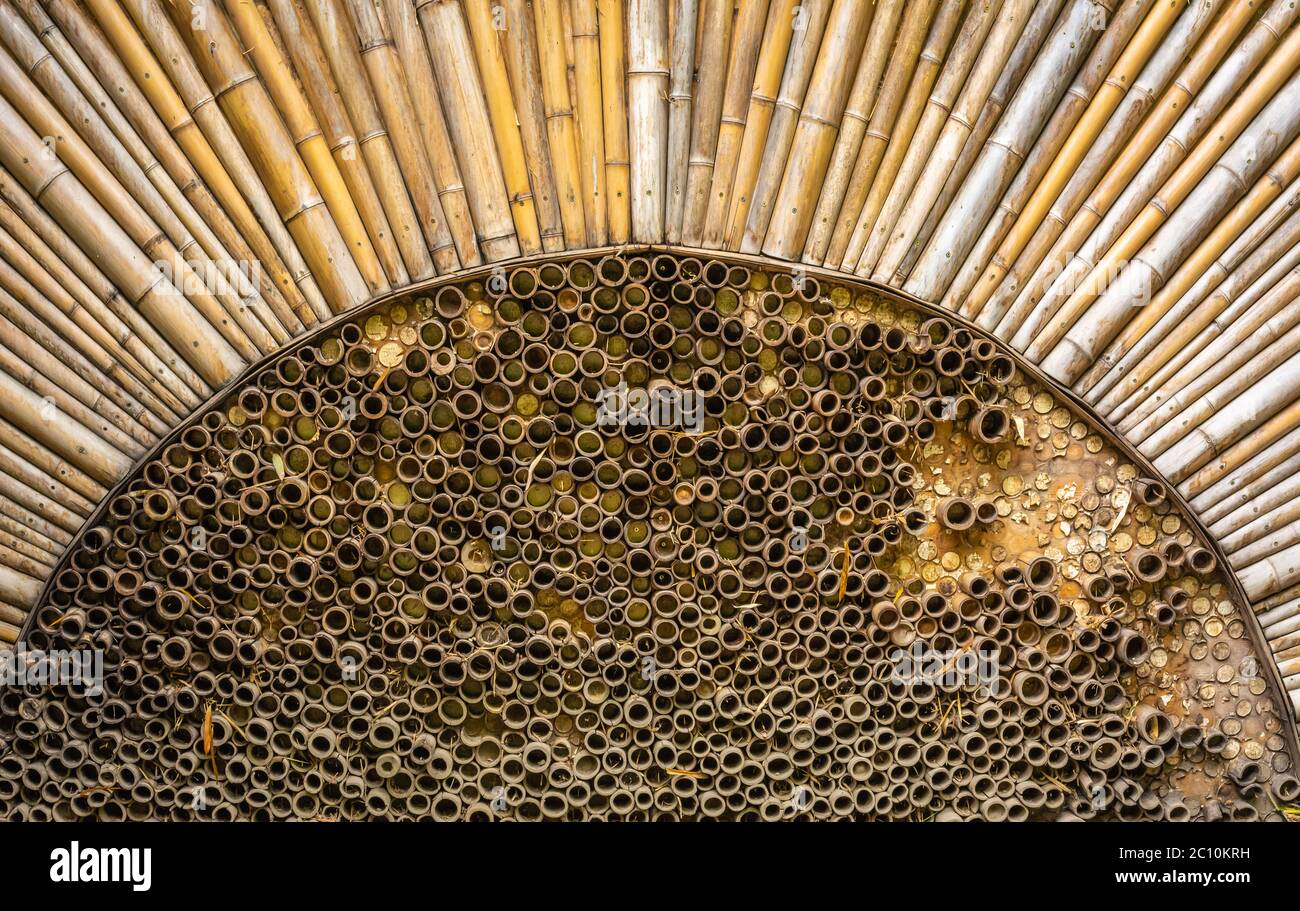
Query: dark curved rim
[1086, 410]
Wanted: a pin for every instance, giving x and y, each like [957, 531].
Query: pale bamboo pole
[404, 26]
[265, 53]
[1108, 97]
[1273, 464]
[11, 619]
[22, 505]
[172, 76]
[1259, 483]
[18, 589]
[1250, 155]
[51, 464]
[647, 115]
[470, 127]
[52, 184]
[561, 131]
[343, 56]
[914, 206]
[519, 38]
[29, 541]
[531, 219]
[222, 309]
[1272, 573]
[27, 280]
[314, 80]
[388, 88]
[853, 228]
[1266, 511]
[714, 38]
[21, 303]
[165, 125]
[1165, 178]
[729, 203]
[785, 120]
[615, 117]
[81, 98]
[1115, 150]
[814, 139]
[591, 126]
[710, 181]
[869, 113]
[1277, 606]
[887, 198]
[63, 256]
[996, 166]
[1037, 28]
[1243, 267]
[14, 558]
[73, 504]
[681, 67]
[41, 371]
[1266, 537]
[1237, 461]
[1038, 158]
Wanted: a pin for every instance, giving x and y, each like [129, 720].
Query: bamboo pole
[61, 495]
[1254, 448]
[1047, 79]
[869, 114]
[591, 126]
[262, 49]
[173, 76]
[1236, 490]
[914, 205]
[1271, 574]
[710, 174]
[1163, 181]
[166, 127]
[737, 169]
[1262, 514]
[1136, 53]
[647, 115]
[519, 38]
[470, 127]
[748, 235]
[681, 68]
[615, 117]
[59, 253]
[561, 130]
[814, 139]
[404, 26]
[16, 588]
[531, 220]
[51, 464]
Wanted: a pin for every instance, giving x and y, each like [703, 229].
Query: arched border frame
[1031, 370]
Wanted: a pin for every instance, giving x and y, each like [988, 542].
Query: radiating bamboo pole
[591, 126]
[59, 253]
[1237, 279]
[869, 114]
[1236, 488]
[1116, 149]
[750, 226]
[1239, 458]
[29, 541]
[616, 117]
[19, 589]
[27, 280]
[24, 154]
[852, 228]
[1266, 511]
[264, 52]
[1250, 155]
[914, 205]
[221, 308]
[887, 197]
[814, 139]
[84, 101]
[403, 24]
[519, 40]
[681, 81]
[710, 173]
[22, 304]
[1271, 574]
[1051, 140]
[14, 497]
[52, 465]
[1038, 26]
[165, 125]
[73, 504]
[1264, 537]
[1163, 181]
[561, 130]
[737, 168]
[1029, 110]
[173, 76]
[647, 115]
[1135, 56]
[532, 218]
[470, 127]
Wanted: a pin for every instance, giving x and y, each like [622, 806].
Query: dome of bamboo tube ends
[1072, 221]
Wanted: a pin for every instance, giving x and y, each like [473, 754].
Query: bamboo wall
[1108, 185]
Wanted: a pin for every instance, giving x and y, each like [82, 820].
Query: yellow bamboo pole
[591, 126]
[560, 127]
[613, 92]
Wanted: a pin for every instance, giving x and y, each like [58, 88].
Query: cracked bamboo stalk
[647, 115]
[45, 460]
[561, 129]
[591, 127]
[681, 73]
[1236, 487]
[615, 117]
